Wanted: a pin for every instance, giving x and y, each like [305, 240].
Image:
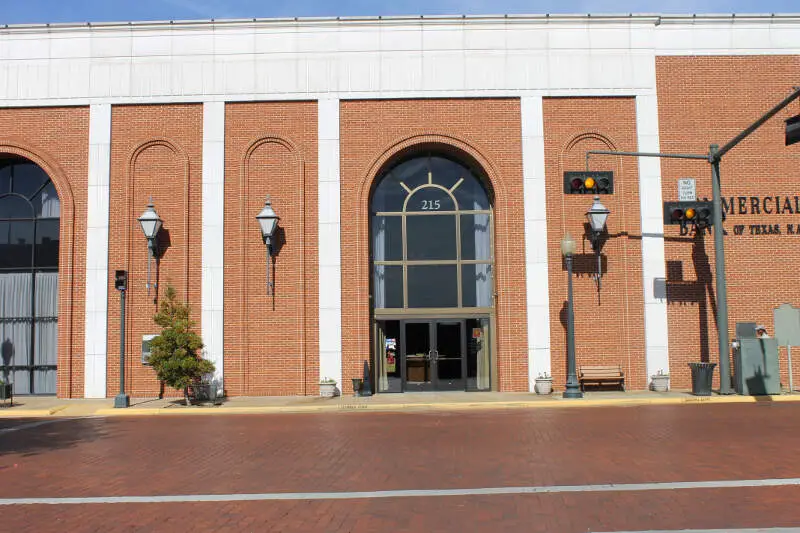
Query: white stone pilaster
[96, 317]
[651, 205]
[330, 259]
[535, 204]
[213, 191]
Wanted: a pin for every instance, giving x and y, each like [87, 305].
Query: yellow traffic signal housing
[698, 213]
[596, 182]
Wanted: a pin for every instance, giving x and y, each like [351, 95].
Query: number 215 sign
[431, 205]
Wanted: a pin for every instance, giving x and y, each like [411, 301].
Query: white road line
[756, 530]
[490, 491]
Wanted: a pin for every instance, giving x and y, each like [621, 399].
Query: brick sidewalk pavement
[382, 451]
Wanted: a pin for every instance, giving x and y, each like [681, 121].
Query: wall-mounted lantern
[268, 222]
[597, 216]
[151, 224]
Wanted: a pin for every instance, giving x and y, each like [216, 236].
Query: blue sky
[42, 11]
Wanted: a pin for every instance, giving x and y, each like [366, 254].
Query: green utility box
[756, 367]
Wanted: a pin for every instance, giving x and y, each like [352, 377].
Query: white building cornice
[395, 21]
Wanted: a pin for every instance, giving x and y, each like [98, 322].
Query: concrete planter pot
[543, 385]
[327, 390]
[660, 382]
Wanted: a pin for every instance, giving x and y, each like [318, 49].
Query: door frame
[434, 384]
[433, 318]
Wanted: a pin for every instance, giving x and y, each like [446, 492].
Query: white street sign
[687, 190]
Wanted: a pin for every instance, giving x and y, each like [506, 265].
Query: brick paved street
[331, 452]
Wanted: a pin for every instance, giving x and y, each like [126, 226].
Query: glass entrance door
[418, 355]
[434, 355]
[448, 356]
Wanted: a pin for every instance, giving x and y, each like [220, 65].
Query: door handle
[435, 355]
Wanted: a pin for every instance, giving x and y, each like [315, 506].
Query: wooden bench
[599, 375]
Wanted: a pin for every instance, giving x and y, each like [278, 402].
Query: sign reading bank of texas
[754, 211]
[415, 168]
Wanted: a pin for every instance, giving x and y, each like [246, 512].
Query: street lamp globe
[568, 245]
[150, 221]
[597, 215]
[267, 220]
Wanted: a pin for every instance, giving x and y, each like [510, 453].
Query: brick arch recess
[271, 148]
[57, 138]
[610, 322]
[156, 150]
[66, 288]
[489, 132]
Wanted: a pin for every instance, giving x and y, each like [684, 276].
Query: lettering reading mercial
[757, 205]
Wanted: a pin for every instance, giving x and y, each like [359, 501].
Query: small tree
[175, 353]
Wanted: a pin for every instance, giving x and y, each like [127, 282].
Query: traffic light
[793, 130]
[121, 280]
[600, 182]
[698, 214]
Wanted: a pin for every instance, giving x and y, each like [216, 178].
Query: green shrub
[175, 353]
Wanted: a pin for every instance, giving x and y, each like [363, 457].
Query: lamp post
[268, 222]
[573, 389]
[121, 284]
[151, 224]
[597, 216]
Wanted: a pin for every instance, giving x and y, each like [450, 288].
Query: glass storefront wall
[432, 284]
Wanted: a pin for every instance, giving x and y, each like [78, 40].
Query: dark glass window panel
[387, 238]
[476, 240]
[413, 172]
[476, 285]
[46, 202]
[28, 179]
[21, 383]
[387, 286]
[47, 240]
[5, 178]
[430, 199]
[389, 196]
[447, 172]
[44, 381]
[470, 195]
[13, 206]
[431, 237]
[16, 244]
[432, 286]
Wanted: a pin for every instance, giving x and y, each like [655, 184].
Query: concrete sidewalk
[37, 407]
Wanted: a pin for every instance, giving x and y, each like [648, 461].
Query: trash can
[357, 384]
[702, 373]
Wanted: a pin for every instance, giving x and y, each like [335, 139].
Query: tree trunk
[186, 395]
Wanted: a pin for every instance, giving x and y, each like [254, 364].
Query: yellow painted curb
[364, 405]
[27, 413]
[448, 406]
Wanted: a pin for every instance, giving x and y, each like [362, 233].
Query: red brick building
[417, 169]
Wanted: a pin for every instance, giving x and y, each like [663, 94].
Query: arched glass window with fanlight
[29, 241]
[431, 236]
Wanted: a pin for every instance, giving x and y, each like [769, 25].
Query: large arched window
[431, 236]
[29, 238]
